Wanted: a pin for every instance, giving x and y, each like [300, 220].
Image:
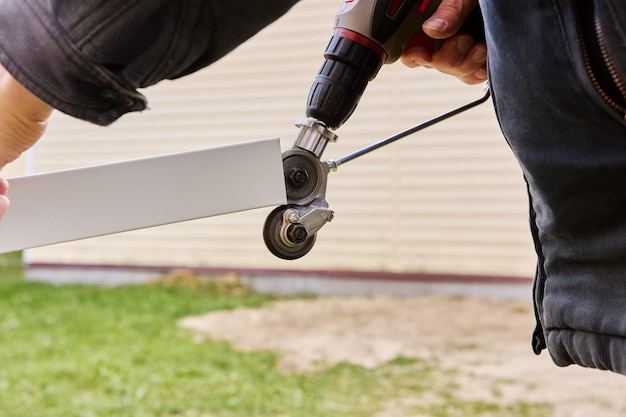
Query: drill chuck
[351, 61]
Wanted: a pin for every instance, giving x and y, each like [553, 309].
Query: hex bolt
[298, 176]
[296, 233]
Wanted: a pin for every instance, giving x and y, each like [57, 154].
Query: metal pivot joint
[313, 136]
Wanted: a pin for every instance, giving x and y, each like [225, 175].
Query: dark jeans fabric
[87, 58]
[568, 133]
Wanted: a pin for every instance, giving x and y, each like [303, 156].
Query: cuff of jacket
[36, 51]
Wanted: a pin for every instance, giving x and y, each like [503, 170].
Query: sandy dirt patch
[487, 342]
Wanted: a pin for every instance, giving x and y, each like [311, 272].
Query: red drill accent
[421, 39]
[421, 8]
[394, 7]
[362, 40]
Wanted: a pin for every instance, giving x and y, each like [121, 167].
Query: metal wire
[335, 163]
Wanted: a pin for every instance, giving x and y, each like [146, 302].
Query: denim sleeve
[87, 58]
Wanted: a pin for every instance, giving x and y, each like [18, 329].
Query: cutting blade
[99, 200]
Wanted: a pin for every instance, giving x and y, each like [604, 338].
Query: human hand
[459, 55]
[23, 119]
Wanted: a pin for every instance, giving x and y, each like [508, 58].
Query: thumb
[448, 18]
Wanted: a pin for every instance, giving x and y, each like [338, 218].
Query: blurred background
[446, 204]
[443, 211]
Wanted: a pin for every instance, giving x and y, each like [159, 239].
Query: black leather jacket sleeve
[87, 58]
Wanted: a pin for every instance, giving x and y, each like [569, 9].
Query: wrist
[23, 118]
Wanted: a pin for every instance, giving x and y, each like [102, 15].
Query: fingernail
[419, 62]
[479, 56]
[481, 74]
[464, 44]
[435, 23]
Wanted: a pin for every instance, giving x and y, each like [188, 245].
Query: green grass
[86, 351]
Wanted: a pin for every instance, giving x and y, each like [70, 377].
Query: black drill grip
[341, 80]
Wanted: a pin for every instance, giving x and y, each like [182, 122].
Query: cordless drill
[367, 34]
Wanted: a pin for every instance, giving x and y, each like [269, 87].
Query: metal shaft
[335, 163]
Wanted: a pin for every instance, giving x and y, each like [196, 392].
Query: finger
[448, 18]
[4, 205]
[474, 70]
[474, 59]
[4, 200]
[4, 186]
[452, 54]
[416, 56]
[478, 77]
[459, 56]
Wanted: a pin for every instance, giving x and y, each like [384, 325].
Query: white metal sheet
[86, 202]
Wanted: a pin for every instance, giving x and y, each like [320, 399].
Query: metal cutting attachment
[290, 230]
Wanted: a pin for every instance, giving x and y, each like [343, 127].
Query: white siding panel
[448, 200]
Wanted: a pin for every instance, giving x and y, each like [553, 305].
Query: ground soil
[486, 342]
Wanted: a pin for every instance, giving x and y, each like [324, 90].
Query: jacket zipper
[609, 61]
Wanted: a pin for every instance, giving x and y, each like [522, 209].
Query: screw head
[293, 216]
